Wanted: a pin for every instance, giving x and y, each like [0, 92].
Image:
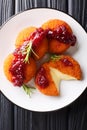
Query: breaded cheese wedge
[44, 81]
[59, 68]
[56, 46]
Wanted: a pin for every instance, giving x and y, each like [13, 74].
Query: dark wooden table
[72, 117]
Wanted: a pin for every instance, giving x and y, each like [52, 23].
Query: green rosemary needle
[27, 51]
[56, 57]
[28, 89]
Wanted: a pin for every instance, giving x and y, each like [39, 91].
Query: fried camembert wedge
[60, 67]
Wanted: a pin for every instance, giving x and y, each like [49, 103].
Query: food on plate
[60, 67]
[57, 33]
[67, 65]
[60, 35]
[38, 39]
[17, 71]
[44, 81]
[40, 43]
[24, 35]
[32, 44]
[7, 64]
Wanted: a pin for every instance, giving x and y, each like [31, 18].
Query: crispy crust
[54, 45]
[7, 65]
[23, 35]
[55, 23]
[29, 72]
[41, 50]
[73, 70]
[51, 89]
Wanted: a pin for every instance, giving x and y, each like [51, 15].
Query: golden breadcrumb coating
[29, 71]
[51, 89]
[7, 65]
[23, 35]
[66, 65]
[56, 46]
[42, 48]
[55, 23]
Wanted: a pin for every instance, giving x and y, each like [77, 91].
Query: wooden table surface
[72, 117]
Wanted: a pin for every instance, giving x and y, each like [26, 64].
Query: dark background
[72, 117]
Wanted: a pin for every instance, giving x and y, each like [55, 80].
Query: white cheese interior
[57, 76]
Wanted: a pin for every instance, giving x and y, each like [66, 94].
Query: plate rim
[21, 12]
[37, 8]
[43, 111]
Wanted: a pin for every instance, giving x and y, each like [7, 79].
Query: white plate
[69, 90]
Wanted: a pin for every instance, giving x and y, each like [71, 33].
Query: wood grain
[6, 10]
[78, 9]
[72, 117]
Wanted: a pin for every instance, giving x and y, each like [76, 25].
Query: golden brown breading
[23, 35]
[42, 48]
[29, 71]
[55, 23]
[65, 65]
[51, 89]
[7, 65]
[56, 46]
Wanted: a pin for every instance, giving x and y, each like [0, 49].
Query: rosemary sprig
[55, 57]
[34, 53]
[27, 51]
[28, 89]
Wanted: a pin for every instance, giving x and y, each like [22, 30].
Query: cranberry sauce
[17, 68]
[41, 78]
[37, 36]
[63, 35]
[66, 62]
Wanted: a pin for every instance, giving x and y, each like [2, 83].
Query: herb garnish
[55, 57]
[28, 89]
[27, 51]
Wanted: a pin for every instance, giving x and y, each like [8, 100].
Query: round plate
[69, 90]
